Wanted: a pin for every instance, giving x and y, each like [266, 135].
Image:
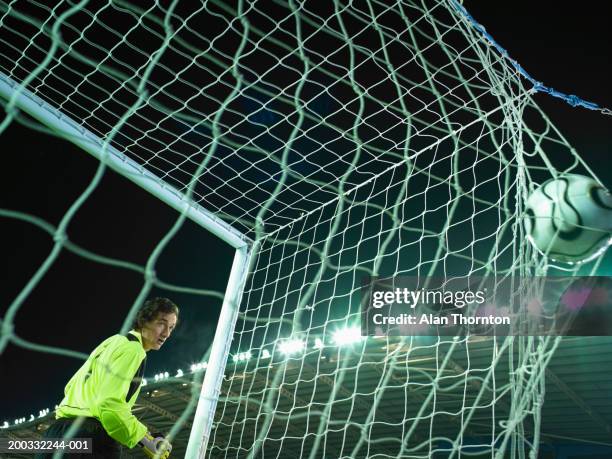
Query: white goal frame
[66, 127]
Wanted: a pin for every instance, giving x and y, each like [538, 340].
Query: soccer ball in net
[569, 218]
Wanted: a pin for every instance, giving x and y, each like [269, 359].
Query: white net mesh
[346, 140]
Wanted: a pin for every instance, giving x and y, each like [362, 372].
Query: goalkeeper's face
[157, 331]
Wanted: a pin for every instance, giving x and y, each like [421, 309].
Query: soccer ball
[569, 219]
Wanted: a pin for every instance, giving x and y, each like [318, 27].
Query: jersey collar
[137, 334]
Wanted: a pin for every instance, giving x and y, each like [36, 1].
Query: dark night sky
[79, 303]
[568, 49]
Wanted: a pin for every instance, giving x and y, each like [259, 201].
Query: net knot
[60, 237]
[150, 274]
[573, 100]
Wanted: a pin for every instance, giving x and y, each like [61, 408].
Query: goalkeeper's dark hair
[152, 308]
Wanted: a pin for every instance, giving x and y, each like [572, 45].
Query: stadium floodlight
[265, 354]
[198, 366]
[179, 373]
[242, 357]
[318, 344]
[160, 376]
[291, 346]
[347, 336]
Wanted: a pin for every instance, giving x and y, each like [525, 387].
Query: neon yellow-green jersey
[107, 386]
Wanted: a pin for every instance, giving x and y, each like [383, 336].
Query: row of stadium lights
[41, 414]
[287, 347]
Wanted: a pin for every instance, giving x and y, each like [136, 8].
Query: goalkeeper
[103, 391]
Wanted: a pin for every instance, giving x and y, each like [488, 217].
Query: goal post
[219, 353]
[66, 128]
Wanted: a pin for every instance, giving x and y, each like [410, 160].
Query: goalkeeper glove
[153, 444]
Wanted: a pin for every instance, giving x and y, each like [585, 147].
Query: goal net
[341, 141]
